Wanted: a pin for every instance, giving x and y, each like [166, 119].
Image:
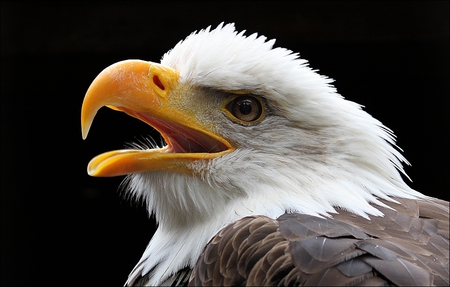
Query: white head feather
[314, 152]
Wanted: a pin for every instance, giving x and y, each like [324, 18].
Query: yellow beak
[152, 93]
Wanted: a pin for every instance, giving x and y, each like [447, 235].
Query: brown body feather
[408, 246]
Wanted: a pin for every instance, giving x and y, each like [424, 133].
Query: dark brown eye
[245, 108]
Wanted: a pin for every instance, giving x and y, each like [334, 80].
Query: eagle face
[249, 130]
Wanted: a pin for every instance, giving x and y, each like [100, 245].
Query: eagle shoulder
[407, 246]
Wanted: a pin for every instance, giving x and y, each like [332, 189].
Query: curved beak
[150, 92]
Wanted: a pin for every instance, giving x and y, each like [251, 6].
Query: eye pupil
[245, 108]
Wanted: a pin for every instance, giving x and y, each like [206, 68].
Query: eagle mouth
[184, 146]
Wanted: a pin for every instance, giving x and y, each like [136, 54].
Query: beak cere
[145, 90]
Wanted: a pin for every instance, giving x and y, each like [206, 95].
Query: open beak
[151, 93]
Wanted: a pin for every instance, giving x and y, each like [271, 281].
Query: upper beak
[147, 91]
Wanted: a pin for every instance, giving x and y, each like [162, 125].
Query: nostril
[158, 83]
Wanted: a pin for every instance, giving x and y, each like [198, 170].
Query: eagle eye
[246, 108]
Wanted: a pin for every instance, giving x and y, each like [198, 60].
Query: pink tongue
[192, 141]
[182, 145]
[182, 139]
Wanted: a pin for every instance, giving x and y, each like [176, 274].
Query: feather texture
[408, 246]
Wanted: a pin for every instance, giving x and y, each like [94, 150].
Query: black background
[61, 227]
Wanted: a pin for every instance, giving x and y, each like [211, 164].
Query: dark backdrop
[61, 227]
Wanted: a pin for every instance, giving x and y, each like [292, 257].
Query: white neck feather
[198, 208]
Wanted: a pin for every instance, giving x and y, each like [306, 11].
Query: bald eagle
[267, 175]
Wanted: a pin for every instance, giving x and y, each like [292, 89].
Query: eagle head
[249, 129]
